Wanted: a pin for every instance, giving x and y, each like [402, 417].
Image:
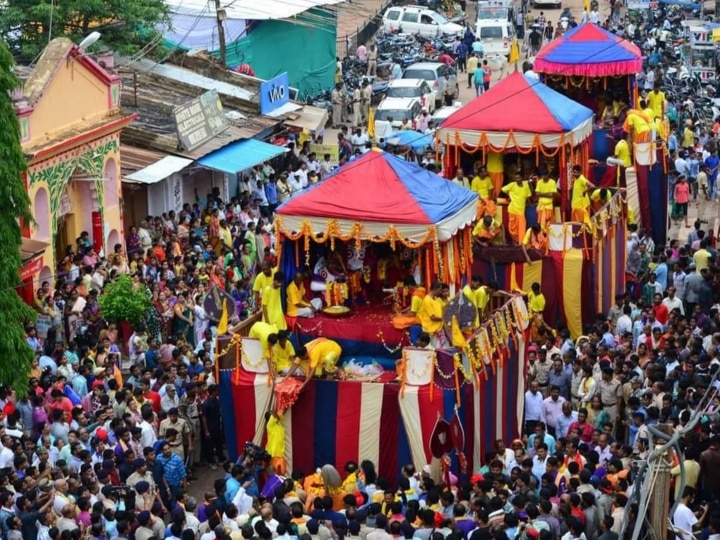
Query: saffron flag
[371, 123]
[222, 327]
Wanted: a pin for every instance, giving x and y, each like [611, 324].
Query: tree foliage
[126, 25]
[122, 301]
[15, 354]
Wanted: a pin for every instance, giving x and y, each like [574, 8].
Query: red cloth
[363, 324]
[287, 393]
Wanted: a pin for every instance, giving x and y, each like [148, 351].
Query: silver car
[434, 73]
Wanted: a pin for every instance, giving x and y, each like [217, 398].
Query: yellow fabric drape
[532, 273]
[572, 294]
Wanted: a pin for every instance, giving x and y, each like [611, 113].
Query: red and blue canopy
[589, 50]
[376, 192]
[518, 112]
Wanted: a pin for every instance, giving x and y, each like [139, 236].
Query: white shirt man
[533, 404]
[624, 325]
[673, 302]
[552, 408]
[684, 519]
[147, 437]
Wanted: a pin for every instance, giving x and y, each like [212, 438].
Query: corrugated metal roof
[132, 158]
[195, 79]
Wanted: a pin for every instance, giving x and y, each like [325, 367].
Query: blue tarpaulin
[240, 156]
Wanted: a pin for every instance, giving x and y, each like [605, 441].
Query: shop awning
[31, 252]
[159, 170]
[310, 118]
[240, 156]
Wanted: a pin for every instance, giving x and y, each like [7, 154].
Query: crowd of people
[97, 452]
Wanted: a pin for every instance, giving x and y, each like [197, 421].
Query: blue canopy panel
[568, 113]
[240, 156]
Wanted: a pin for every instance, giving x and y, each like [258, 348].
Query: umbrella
[414, 139]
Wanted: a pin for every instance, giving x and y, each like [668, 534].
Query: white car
[393, 112]
[413, 88]
[434, 73]
[418, 20]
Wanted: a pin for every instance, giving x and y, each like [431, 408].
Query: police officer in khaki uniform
[610, 394]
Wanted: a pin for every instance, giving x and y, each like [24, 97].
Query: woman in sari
[182, 325]
[91, 314]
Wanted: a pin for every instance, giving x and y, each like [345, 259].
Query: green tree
[15, 354]
[127, 26]
[122, 301]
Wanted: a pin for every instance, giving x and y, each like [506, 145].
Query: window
[425, 74]
[395, 114]
[410, 16]
[425, 19]
[404, 91]
[491, 32]
[393, 15]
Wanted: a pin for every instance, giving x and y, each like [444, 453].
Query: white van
[497, 9]
[496, 36]
[418, 20]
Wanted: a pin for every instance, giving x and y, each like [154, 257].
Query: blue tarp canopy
[240, 156]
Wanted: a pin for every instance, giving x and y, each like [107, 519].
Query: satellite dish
[90, 40]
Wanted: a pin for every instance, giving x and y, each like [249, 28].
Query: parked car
[393, 112]
[418, 20]
[434, 73]
[413, 88]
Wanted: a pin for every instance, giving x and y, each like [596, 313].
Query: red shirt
[586, 431]
[661, 313]
[154, 398]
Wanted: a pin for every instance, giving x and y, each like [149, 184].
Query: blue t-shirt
[478, 76]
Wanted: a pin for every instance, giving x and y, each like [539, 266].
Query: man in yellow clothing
[637, 125]
[483, 185]
[275, 445]
[535, 238]
[580, 203]
[599, 197]
[519, 192]
[297, 304]
[272, 303]
[318, 357]
[266, 334]
[262, 280]
[283, 353]
[431, 315]
[477, 295]
[621, 155]
[545, 189]
[656, 100]
[536, 306]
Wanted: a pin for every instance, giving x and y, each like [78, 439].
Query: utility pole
[220, 13]
[660, 499]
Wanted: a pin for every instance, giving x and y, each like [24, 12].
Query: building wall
[68, 189]
[76, 97]
[70, 124]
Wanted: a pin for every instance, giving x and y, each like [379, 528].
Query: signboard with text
[274, 93]
[199, 120]
[322, 149]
